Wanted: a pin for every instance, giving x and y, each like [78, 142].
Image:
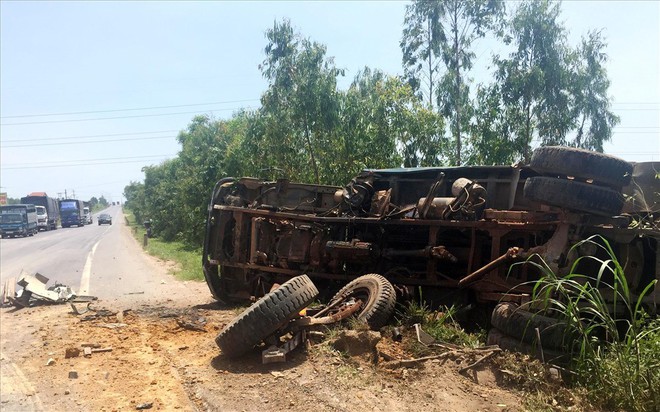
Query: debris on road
[112, 325]
[34, 291]
[146, 405]
[196, 325]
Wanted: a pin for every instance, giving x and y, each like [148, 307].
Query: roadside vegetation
[186, 260]
[615, 346]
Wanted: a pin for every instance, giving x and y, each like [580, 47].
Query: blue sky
[146, 68]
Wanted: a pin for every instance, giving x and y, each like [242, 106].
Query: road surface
[97, 260]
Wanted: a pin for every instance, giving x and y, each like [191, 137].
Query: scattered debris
[8, 290]
[111, 325]
[50, 362]
[146, 405]
[196, 325]
[71, 353]
[34, 291]
[73, 375]
[410, 363]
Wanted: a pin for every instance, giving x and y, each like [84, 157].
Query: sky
[91, 92]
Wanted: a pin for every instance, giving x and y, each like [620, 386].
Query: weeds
[616, 348]
[442, 324]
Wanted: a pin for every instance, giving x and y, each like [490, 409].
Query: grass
[614, 343]
[441, 324]
[188, 262]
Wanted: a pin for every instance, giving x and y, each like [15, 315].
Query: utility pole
[65, 195]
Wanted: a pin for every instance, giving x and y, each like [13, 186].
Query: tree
[591, 102]
[300, 108]
[421, 46]
[535, 78]
[448, 28]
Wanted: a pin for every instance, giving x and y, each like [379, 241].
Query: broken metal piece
[278, 354]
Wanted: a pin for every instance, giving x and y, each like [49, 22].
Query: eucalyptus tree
[421, 42]
[536, 77]
[590, 85]
[447, 29]
[300, 107]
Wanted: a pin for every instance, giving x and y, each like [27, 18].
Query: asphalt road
[92, 260]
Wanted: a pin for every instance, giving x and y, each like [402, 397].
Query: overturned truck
[452, 234]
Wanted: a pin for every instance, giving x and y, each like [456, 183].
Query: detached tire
[582, 164]
[569, 194]
[521, 325]
[378, 297]
[266, 316]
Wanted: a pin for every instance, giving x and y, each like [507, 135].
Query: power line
[126, 110]
[121, 117]
[94, 160]
[75, 165]
[87, 137]
[96, 141]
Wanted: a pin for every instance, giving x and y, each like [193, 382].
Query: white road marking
[87, 272]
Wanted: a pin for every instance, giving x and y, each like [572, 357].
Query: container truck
[71, 212]
[52, 208]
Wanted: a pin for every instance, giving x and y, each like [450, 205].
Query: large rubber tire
[266, 316]
[582, 164]
[506, 342]
[378, 295]
[569, 194]
[521, 324]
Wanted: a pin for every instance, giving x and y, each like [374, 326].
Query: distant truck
[87, 216]
[20, 219]
[71, 212]
[51, 206]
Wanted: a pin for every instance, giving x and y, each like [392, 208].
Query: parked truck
[51, 206]
[71, 212]
[455, 235]
[18, 220]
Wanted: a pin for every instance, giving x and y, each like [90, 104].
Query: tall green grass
[615, 344]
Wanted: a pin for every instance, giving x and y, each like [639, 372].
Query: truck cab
[42, 218]
[87, 216]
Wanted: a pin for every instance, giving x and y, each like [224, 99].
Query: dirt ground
[155, 362]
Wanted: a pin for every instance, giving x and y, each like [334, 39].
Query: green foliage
[186, 259]
[615, 346]
[445, 31]
[442, 325]
[544, 92]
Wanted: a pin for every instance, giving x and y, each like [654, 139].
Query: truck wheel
[521, 324]
[266, 316]
[569, 194]
[378, 296]
[583, 164]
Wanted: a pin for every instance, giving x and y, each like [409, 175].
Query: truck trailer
[52, 208]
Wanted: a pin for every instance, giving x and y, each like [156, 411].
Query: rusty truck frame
[452, 233]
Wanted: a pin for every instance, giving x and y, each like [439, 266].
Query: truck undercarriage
[454, 234]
